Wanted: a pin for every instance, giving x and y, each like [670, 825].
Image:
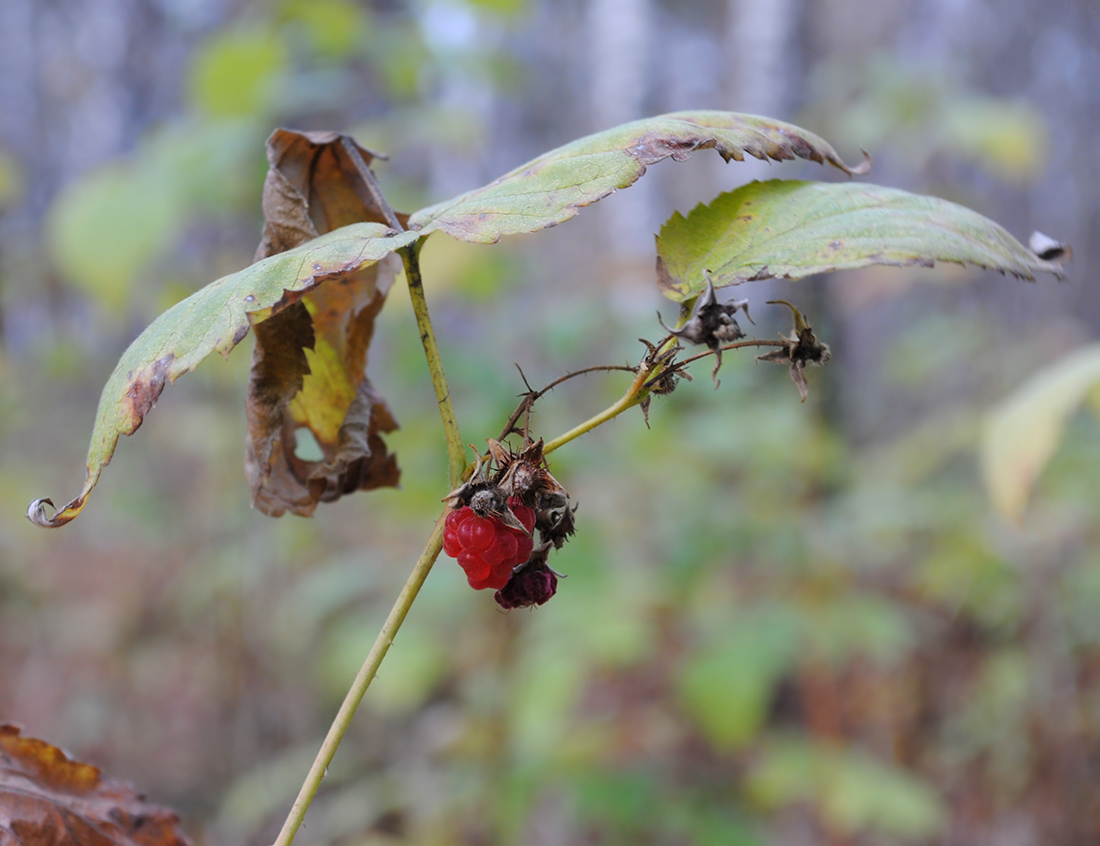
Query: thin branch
[366, 674]
[532, 396]
[735, 346]
[410, 255]
[647, 374]
[633, 396]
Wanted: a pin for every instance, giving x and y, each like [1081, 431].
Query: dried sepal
[800, 348]
[556, 526]
[712, 323]
[460, 496]
[524, 475]
[660, 361]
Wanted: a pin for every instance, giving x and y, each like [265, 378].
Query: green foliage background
[782, 622]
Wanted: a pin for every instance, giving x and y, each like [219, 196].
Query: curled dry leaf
[315, 184]
[48, 799]
[550, 189]
[1049, 249]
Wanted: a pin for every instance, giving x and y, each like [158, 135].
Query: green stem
[366, 674]
[633, 396]
[456, 452]
[411, 257]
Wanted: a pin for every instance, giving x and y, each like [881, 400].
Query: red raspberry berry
[477, 569]
[485, 548]
[524, 545]
[507, 544]
[524, 514]
[477, 533]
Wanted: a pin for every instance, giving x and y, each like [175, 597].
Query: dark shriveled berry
[530, 586]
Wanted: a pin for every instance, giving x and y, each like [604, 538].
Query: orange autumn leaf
[48, 799]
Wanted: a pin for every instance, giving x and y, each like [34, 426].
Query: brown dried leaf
[314, 185]
[326, 391]
[47, 799]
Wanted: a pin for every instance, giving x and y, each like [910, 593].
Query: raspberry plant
[331, 249]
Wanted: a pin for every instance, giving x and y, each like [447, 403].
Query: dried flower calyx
[524, 476]
[661, 362]
[487, 499]
[712, 323]
[801, 347]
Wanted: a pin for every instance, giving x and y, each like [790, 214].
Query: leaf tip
[36, 513]
[864, 167]
[1050, 251]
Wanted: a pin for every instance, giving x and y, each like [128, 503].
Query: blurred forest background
[783, 623]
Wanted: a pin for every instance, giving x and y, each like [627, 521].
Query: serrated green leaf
[550, 189]
[793, 229]
[215, 319]
[1022, 433]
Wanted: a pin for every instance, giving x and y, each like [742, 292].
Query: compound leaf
[550, 189]
[793, 229]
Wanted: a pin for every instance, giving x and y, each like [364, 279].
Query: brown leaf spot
[653, 148]
[145, 390]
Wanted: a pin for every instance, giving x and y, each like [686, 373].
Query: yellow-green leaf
[551, 188]
[793, 229]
